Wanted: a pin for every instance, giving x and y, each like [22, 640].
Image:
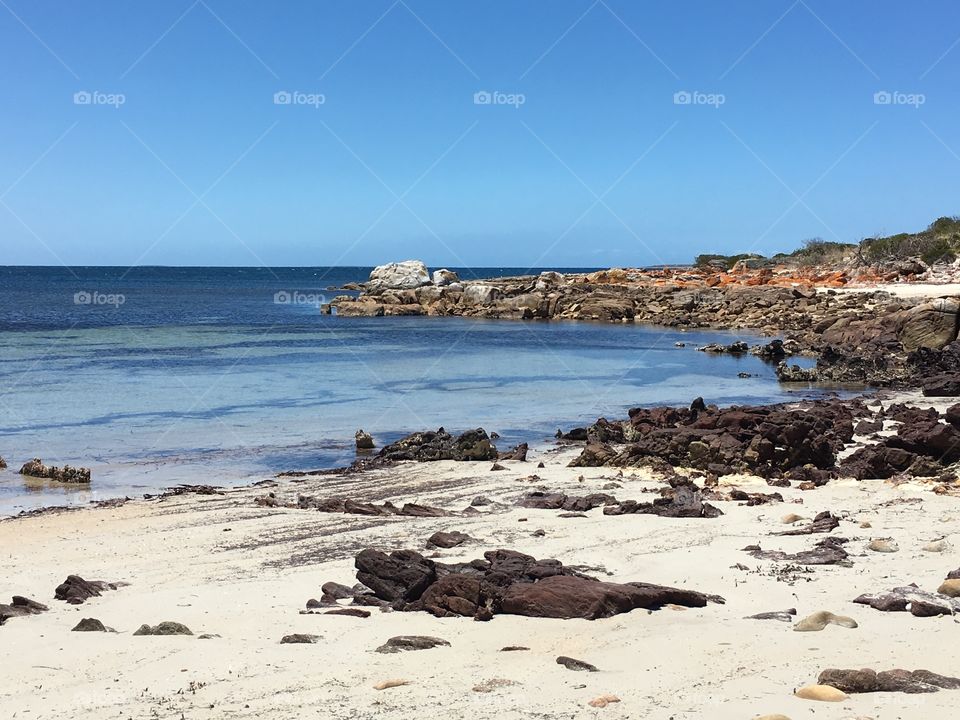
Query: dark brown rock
[89, 625]
[573, 664]
[299, 639]
[75, 590]
[402, 575]
[404, 643]
[448, 539]
[351, 612]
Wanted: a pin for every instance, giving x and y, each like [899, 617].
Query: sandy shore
[222, 565]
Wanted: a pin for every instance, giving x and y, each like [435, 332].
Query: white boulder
[406, 275]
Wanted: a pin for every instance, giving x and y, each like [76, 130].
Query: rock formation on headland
[870, 337]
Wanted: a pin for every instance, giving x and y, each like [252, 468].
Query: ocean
[157, 376]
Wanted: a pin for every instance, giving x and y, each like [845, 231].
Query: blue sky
[586, 157]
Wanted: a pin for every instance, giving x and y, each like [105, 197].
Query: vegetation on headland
[939, 242]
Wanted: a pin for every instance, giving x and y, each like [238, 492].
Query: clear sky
[582, 153]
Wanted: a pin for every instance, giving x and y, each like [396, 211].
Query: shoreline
[231, 567]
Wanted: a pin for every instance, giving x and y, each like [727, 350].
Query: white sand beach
[226, 567]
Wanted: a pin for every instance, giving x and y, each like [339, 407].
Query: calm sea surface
[158, 376]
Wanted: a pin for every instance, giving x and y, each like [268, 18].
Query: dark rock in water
[19, 607]
[66, 474]
[781, 615]
[575, 435]
[364, 440]
[773, 350]
[517, 453]
[905, 681]
[480, 501]
[794, 373]
[89, 625]
[828, 551]
[573, 664]
[352, 612]
[299, 639]
[401, 575]
[403, 643]
[3, 464]
[75, 590]
[823, 523]
[165, 628]
[448, 539]
[764, 440]
[440, 445]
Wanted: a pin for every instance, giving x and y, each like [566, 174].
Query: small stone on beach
[821, 693]
[386, 684]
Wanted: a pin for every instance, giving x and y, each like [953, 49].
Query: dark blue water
[53, 298]
[163, 375]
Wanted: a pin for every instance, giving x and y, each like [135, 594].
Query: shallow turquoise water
[242, 387]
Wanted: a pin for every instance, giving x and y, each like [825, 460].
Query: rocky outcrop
[857, 337]
[771, 441]
[66, 474]
[441, 445]
[506, 582]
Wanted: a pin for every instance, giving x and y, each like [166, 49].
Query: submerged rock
[364, 440]
[66, 474]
